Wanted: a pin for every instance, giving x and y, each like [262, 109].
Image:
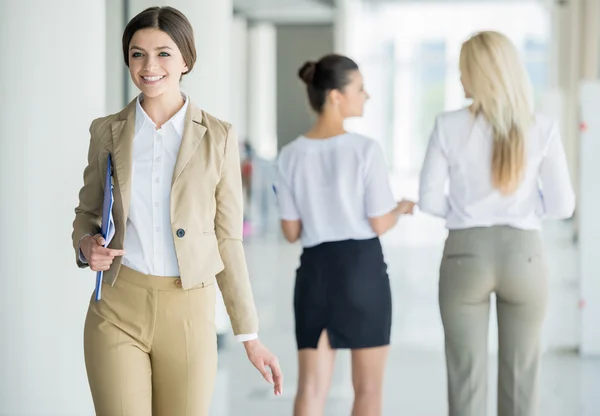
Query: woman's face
[351, 100]
[155, 62]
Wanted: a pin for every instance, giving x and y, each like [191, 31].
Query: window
[410, 62]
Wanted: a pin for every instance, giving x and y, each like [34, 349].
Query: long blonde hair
[496, 79]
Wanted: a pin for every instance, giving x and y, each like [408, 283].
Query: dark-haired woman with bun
[335, 197]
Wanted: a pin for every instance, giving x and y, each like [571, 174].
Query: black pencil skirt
[343, 287]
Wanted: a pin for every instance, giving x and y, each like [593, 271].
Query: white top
[333, 186]
[149, 244]
[459, 157]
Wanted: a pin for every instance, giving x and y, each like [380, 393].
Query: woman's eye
[136, 54]
[164, 54]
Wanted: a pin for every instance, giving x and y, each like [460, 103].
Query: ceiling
[310, 11]
[286, 11]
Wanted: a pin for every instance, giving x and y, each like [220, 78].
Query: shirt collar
[177, 121]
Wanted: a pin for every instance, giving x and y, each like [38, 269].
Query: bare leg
[368, 367]
[314, 378]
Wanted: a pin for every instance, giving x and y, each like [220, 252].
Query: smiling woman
[175, 53]
[150, 342]
[159, 49]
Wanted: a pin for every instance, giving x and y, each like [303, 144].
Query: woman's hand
[264, 361]
[384, 223]
[98, 257]
[405, 207]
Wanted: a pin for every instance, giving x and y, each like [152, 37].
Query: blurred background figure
[246, 160]
[248, 55]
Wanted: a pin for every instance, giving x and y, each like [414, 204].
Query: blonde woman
[506, 170]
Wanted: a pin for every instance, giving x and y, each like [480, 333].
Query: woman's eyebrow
[156, 49]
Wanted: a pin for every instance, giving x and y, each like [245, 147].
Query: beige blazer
[206, 203]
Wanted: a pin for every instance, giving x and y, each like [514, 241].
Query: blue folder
[107, 228]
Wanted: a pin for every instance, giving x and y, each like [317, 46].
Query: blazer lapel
[193, 133]
[123, 131]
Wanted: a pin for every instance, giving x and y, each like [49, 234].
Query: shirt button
[157, 229]
[158, 159]
[180, 233]
[157, 180]
[156, 204]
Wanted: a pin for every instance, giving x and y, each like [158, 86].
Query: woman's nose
[150, 64]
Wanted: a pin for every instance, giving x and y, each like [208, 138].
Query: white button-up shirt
[149, 244]
[460, 156]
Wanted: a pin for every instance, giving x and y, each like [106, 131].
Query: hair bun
[307, 72]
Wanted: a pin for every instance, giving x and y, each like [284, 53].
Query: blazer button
[180, 233]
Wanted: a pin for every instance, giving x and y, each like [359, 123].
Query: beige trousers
[477, 262]
[150, 347]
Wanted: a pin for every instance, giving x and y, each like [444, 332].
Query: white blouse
[333, 186]
[459, 159]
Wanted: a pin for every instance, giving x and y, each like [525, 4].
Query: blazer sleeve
[88, 214]
[233, 280]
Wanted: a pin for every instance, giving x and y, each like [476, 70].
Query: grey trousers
[477, 262]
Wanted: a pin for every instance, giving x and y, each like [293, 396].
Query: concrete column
[590, 39]
[348, 14]
[262, 91]
[348, 39]
[553, 101]
[51, 88]
[239, 75]
[118, 79]
[563, 98]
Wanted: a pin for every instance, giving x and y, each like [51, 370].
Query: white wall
[589, 217]
[52, 84]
